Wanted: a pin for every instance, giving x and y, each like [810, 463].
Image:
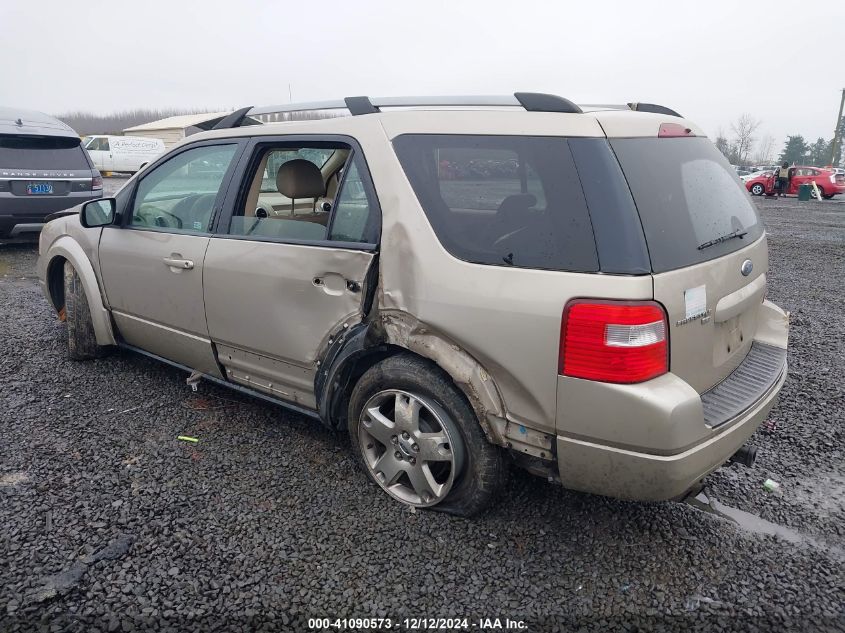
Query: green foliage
[795, 151]
[819, 154]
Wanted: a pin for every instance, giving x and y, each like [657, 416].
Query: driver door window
[179, 195]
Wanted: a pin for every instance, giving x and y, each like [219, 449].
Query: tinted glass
[355, 219]
[616, 225]
[687, 195]
[502, 200]
[26, 152]
[179, 195]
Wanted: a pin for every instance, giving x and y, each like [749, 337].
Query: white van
[122, 153]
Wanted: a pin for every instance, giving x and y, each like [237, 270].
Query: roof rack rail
[531, 101]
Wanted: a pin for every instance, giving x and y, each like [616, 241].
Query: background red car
[828, 182]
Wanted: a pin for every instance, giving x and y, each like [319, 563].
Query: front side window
[179, 195]
[502, 200]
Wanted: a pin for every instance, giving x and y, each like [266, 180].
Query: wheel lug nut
[416, 448]
[398, 455]
[405, 435]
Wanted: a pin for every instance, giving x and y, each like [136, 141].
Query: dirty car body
[516, 267]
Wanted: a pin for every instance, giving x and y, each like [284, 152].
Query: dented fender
[403, 330]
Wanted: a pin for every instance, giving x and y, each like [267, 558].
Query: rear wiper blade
[724, 238]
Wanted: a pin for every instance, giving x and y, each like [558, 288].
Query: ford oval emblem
[747, 267]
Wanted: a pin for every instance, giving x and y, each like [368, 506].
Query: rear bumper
[22, 217]
[654, 440]
[627, 474]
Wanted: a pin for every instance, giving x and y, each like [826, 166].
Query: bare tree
[743, 129]
[765, 150]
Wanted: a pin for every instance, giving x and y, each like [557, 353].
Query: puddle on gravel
[757, 525]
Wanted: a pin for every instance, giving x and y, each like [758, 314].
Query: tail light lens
[614, 341]
[96, 182]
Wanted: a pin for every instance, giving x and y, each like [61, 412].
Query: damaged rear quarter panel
[494, 329]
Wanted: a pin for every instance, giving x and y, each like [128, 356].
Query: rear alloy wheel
[411, 447]
[818, 196]
[757, 189]
[418, 438]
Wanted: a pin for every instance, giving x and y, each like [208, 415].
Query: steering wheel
[156, 218]
[162, 222]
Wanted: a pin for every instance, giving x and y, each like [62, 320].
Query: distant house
[174, 128]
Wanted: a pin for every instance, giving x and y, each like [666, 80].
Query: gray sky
[781, 61]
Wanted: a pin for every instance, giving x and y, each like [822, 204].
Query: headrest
[517, 203]
[300, 178]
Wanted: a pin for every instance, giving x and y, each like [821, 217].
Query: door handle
[173, 262]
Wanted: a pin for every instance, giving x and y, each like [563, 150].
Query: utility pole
[837, 129]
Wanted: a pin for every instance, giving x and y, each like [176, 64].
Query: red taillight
[96, 183]
[613, 341]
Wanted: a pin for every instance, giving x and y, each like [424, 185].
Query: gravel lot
[267, 522]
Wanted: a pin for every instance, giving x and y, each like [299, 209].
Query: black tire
[483, 469]
[757, 189]
[828, 196]
[81, 340]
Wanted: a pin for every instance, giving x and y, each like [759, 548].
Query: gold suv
[462, 283]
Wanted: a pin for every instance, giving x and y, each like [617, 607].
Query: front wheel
[81, 339]
[757, 189]
[418, 438]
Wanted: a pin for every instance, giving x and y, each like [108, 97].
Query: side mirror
[97, 213]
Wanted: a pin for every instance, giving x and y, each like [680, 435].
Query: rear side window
[502, 200]
[30, 152]
[689, 199]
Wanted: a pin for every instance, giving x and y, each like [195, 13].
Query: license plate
[36, 188]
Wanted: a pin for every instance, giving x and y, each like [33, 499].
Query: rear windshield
[502, 200]
[30, 152]
[689, 199]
